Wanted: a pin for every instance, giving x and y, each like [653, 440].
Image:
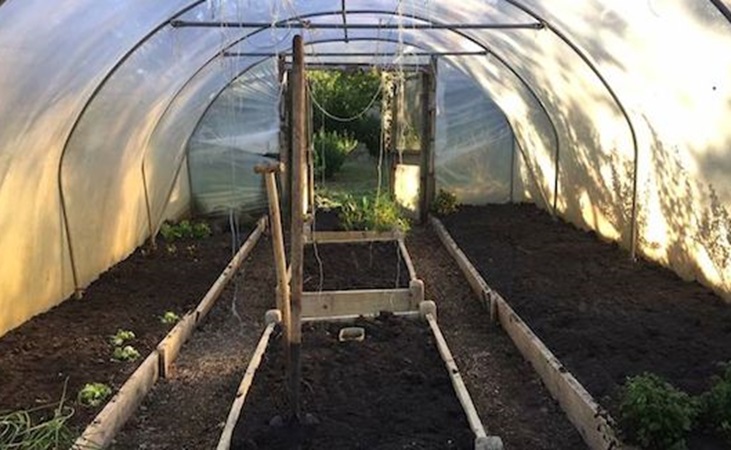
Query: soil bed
[605, 317]
[71, 341]
[390, 391]
[328, 220]
[372, 265]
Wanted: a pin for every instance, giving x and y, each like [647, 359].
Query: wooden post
[280, 261]
[429, 99]
[298, 171]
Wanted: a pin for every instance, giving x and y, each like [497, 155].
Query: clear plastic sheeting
[474, 151]
[241, 126]
[619, 112]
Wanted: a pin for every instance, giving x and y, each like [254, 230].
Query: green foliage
[716, 406]
[184, 230]
[345, 95]
[93, 394]
[44, 427]
[126, 353]
[331, 149]
[169, 318]
[655, 415]
[372, 213]
[121, 337]
[445, 203]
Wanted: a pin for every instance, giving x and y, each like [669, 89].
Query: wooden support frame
[101, 431]
[589, 418]
[368, 301]
[344, 237]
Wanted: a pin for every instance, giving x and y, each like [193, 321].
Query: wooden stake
[299, 145]
[280, 261]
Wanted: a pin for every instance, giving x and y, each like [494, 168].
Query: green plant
[379, 213]
[126, 353]
[654, 414]
[36, 428]
[121, 337]
[716, 405]
[184, 230]
[331, 149]
[169, 318]
[93, 394]
[445, 203]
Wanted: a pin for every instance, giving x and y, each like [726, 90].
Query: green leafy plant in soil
[331, 149]
[93, 394]
[169, 318]
[40, 428]
[655, 415]
[715, 414]
[126, 353]
[121, 337]
[372, 213]
[445, 203]
[185, 229]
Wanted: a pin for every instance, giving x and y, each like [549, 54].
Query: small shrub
[445, 203]
[655, 415]
[93, 394]
[169, 318]
[184, 230]
[716, 406]
[377, 213]
[121, 337]
[331, 149]
[126, 353]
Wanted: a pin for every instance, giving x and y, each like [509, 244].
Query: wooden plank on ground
[589, 418]
[343, 303]
[100, 433]
[169, 347]
[341, 237]
[224, 442]
[407, 259]
[217, 289]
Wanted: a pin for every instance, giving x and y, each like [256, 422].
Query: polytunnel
[119, 117]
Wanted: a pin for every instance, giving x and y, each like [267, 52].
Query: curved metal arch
[460, 33]
[89, 101]
[224, 88]
[584, 57]
[722, 8]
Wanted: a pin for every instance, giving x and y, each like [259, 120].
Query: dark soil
[188, 410]
[71, 341]
[373, 265]
[509, 396]
[328, 220]
[390, 391]
[605, 317]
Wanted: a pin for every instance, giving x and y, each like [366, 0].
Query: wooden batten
[224, 442]
[100, 433]
[169, 347]
[407, 259]
[344, 303]
[592, 422]
[343, 237]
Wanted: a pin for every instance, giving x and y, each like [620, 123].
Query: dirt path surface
[188, 410]
[71, 341]
[509, 396]
[605, 317]
[389, 392]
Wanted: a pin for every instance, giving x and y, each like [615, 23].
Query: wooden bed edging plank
[224, 442]
[407, 259]
[210, 298]
[592, 422]
[366, 301]
[100, 433]
[343, 237]
[463, 395]
[102, 430]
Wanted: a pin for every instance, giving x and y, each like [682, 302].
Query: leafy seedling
[38, 428]
[93, 394]
[445, 203]
[122, 337]
[716, 406]
[654, 414]
[126, 353]
[169, 318]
